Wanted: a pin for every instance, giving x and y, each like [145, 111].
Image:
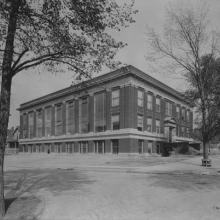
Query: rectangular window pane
[70, 117]
[140, 98]
[158, 126]
[83, 115]
[100, 112]
[39, 129]
[178, 112]
[158, 103]
[25, 125]
[149, 102]
[48, 118]
[187, 115]
[140, 122]
[31, 125]
[115, 122]
[149, 124]
[168, 109]
[115, 97]
[58, 120]
[183, 113]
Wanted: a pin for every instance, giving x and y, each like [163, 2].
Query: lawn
[110, 187]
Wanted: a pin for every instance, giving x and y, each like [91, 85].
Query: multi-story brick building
[122, 111]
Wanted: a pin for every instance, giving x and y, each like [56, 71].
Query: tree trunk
[205, 150]
[6, 92]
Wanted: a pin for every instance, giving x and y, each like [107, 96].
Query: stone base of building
[115, 146]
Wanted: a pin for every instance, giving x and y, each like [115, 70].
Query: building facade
[123, 111]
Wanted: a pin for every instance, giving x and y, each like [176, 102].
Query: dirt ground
[110, 187]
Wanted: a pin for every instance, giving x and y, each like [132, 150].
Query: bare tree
[185, 40]
[52, 32]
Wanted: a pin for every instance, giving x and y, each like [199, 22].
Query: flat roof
[124, 71]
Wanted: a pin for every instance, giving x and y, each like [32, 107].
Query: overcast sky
[28, 85]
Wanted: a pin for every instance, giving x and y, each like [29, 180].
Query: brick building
[122, 111]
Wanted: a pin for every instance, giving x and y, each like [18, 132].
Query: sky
[33, 83]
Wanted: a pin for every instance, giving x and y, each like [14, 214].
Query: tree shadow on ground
[186, 181]
[22, 186]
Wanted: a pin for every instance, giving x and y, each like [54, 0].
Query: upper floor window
[158, 126]
[168, 108]
[84, 115]
[100, 112]
[188, 115]
[149, 124]
[31, 124]
[48, 118]
[187, 132]
[58, 119]
[70, 117]
[25, 125]
[183, 114]
[115, 97]
[158, 104]
[183, 131]
[178, 112]
[140, 98]
[150, 102]
[140, 122]
[115, 125]
[39, 126]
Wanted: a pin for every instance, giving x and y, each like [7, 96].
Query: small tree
[74, 33]
[184, 41]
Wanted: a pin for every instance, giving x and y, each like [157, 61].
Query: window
[177, 130]
[58, 119]
[183, 113]
[158, 126]
[48, 117]
[188, 115]
[150, 147]
[31, 124]
[140, 98]
[158, 104]
[140, 122]
[25, 125]
[187, 132]
[182, 131]
[83, 115]
[83, 146]
[70, 117]
[168, 109]
[140, 146]
[149, 124]
[115, 97]
[100, 112]
[149, 102]
[115, 146]
[178, 112]
[39, 123]
[115, 122]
